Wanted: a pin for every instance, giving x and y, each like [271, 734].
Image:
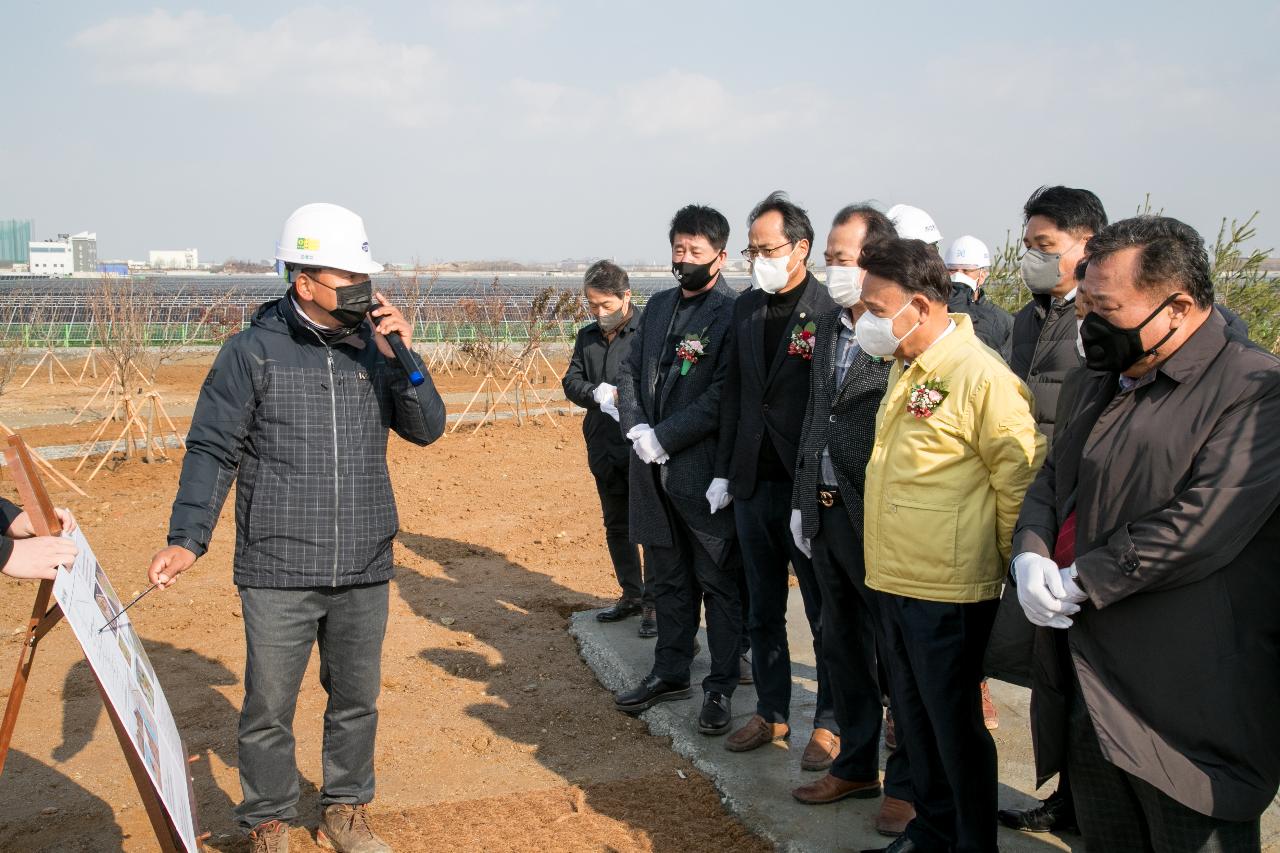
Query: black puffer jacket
[1044, 351]
[992, 324]
[301, 427]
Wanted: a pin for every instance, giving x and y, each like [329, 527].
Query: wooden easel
[43, 618]
[49, 358]
[48, 466]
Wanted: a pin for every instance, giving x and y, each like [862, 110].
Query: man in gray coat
[296, 411]
[1149, 541]
[669, 394]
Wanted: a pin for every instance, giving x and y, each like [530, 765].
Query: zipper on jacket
[337, 502]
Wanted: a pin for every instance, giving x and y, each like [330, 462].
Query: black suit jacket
[766, 391]
[843, 419]
[1176, 489]
[597, 359]
[690, 424]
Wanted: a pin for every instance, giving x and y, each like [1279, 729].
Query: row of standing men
[876, 432]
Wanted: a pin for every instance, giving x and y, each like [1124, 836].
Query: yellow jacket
[943, 492]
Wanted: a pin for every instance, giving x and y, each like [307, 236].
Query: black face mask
[1113, 349]
[692, 277]
[354, 302]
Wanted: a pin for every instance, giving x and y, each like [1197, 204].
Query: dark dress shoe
[1056, 814]
[901, 845]
[716, 714]
[648, 622]
[623, 608]
[648, 693]
[745, 675]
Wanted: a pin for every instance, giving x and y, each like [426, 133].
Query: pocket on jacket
[919, 540]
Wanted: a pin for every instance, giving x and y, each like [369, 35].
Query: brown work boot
[346, 829]
[829, 789]
[890, 731]
[755, 733]
[822, 750]
[990, 716]
[893, 817]
[270, 837]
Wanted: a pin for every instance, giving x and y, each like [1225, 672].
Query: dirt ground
[494, 735]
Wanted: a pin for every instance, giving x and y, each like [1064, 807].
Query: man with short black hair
[592, 382]
[670, 391]
[956, 446]
[761, 418]
[1151, 533]
[1057, 221]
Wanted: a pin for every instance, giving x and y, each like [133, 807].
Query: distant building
[15, 237]
[84, 252]
[174, 259]
[113, 267]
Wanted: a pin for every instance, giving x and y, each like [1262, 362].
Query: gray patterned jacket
[301, 427]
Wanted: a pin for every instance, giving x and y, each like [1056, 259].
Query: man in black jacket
[1146, 550]
[296, 411]
[846, 386]
[25, 555]
[761, 418]
[669, 395]
[592, 382]
[969, 262]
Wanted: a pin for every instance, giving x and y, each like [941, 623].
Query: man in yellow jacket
[956, 448]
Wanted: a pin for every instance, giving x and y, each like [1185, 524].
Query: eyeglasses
[751, 254]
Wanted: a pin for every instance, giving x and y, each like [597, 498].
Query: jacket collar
[302, 331]
[1197, 351]
[941, 350]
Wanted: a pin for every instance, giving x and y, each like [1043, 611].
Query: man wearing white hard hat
[912, 223]
[969, 263]
[296, 411]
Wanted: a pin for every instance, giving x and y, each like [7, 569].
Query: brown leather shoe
[990, 716]
[822, 750]
[755, 733]
[893, 817]
[829, 789]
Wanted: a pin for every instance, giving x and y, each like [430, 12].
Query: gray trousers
[281, 626]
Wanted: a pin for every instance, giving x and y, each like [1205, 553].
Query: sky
[539, 130]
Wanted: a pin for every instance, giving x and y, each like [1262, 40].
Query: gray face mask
[1040, 271]
[609, 322]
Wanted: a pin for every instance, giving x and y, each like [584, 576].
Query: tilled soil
[493, 736]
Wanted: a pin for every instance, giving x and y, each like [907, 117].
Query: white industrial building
[70, 253]
[174, 259]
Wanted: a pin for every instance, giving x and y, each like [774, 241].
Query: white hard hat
[326, 235]
[912, 223]
[967, 251]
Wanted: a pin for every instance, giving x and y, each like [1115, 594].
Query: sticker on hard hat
[364, 247]
[310, 243]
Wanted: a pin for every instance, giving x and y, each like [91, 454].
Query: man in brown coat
[1149, 538]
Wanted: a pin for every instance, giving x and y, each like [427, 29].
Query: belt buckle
[826, 498]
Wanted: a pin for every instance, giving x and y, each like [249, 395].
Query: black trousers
[850, 627]
[614, 490]
[934, 650]
[683, 578]
[764, 534]
[1120, 813]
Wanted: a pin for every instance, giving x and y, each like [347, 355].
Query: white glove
[610, 408]
[637, 431]
[604, 392]
[649, 450]
[718, 496]
[1074, 593]
[797, 533]
[1040, 591]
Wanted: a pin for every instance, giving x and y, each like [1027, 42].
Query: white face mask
[770, 274]
[875, 334]
[845, 285]
[961, 277]
[1079, 338]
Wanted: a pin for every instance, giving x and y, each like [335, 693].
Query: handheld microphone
[405, 359]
